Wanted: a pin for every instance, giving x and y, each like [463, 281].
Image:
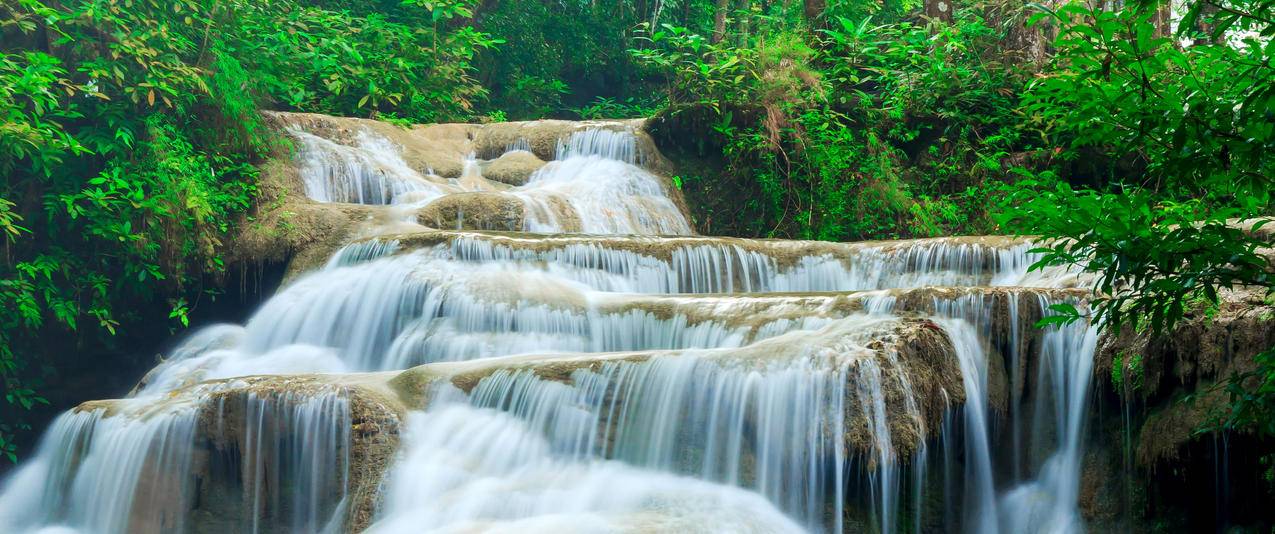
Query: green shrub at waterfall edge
[857, 130]
[1193, 115]
[128, 134]
[129, 130]
[1139, 145]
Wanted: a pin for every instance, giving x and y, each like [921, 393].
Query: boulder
[474, 211]
[513, 168]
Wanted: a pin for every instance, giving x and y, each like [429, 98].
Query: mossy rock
[474, 211]
[513, 168]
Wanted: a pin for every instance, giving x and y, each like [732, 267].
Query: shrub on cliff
[129, 131]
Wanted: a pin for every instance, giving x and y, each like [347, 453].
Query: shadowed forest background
[131, 132]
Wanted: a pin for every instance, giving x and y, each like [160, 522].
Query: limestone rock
[513, 168]
[474, 211]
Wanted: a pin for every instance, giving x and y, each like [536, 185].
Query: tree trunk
[939, 10]
[719, 21]
[814, 12]
[1207, 12]
[743, 12]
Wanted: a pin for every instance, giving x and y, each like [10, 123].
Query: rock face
[512, 326]
[258, 453]
[1169, 387]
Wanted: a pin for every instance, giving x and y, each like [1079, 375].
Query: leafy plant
[610, 108]
[1165, 234]
[860, 130]
[129, 134]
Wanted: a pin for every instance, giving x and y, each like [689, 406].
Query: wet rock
[242, 454]
[474, 211]
[513, 168]
[1209, 345]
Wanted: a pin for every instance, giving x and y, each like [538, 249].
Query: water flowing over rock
[511, 327]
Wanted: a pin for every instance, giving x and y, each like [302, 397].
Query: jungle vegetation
[131, 131]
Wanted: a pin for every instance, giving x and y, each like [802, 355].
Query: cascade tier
[510, 327]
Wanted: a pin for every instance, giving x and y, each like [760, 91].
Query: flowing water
[628, 376]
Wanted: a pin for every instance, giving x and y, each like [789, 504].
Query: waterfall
[600, 368]
[607, 144]
[109, 474]
[777, 429]
[491, 471]
[369, 172]
[1048, 503]
[596, 185]
[979, 494]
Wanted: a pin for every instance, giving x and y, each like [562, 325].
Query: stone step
[695, 264]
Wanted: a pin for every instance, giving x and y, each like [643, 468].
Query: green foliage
[858, 131]
[319, 60]
[1127, 373]
[538, 97]
[698, 71]
[1197, 120]
[1195, 125]
[129, 130]
[610, 108]
[116, 202]
[1151, 256]
[1250, 400]
[560, 51]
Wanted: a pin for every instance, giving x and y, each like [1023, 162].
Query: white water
[710, 406]
[595, 186]
[370, 172]
[1048, 503]
[491, 472]
[296, 440]
[91, 470]
[132, 467]
[773, 425]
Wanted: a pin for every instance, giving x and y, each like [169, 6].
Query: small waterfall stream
[601, 369]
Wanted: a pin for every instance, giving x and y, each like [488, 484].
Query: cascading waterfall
[608, 144]
[596, 185]
[295, 440]
[371, 172]
[1048, 503]
[108, 474]
[980, 503]
[130, 466]
[720, 266]
[609, 382]
[778, 429]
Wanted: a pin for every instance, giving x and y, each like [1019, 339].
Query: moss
[1176, 372]
[412, 385]
[287, 225]
[930, 364]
